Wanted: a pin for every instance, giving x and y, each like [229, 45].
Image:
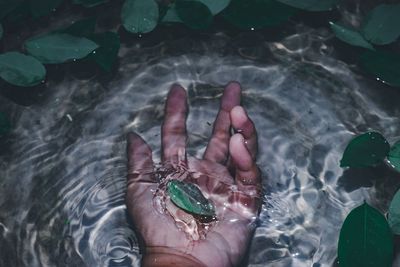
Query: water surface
[63, 167]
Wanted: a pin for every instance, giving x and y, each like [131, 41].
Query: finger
[243, 124]
[217, 148]
[174, 126]
[140, 163]
[247, 175]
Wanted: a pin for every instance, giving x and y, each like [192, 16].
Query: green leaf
[215, 6]
[81, 28]
[384, 65]
[6, 6]
[107, 53]
[394, 214]
[365, 150]
[194, 14]
[5, 125]
[1, 31]
[188, 196]
[59, 48]
[311, 5]
[43, 7]
[350, 36]
[90, 3]
[257, 14]
[171, 15]
[139, 16]
[365, 239]
[382, 25]
[394, 156]
[21, 70]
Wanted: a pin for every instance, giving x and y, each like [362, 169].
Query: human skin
[227, 173]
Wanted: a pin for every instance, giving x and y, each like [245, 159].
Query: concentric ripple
[62, 175]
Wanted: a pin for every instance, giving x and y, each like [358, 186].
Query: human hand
[227, 175]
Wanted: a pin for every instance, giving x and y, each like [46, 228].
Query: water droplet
[69, 117]
[252, 28]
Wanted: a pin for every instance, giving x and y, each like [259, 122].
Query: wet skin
[228, 160]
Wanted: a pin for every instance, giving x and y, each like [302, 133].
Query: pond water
[63, 166]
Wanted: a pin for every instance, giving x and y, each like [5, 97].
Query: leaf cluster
[381, 27]
[366, 237]
[74, 42]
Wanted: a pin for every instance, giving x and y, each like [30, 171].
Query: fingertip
[238, 115]
[238, 150]
[233, 85]
[177, 89]
[231, 96]
[242, 124]
[237, 139]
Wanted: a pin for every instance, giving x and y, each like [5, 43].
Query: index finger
[174, 126]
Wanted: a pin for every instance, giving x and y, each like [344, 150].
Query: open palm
[227, 175]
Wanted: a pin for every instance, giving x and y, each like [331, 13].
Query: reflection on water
[63, 168]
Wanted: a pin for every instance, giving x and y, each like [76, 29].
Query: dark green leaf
[257, 14]
[394, 156]
[43, 7]
[382, 25]
[81, 28]
[21, 70]
[215, 6]
[188, 196]
[394, 214]
[384, 65]
[350, 36]
[311, 5]
[139, 16]
[90, 3]
[107, 53]
[6, 6]
[365, 239]
[365, 150]
[59, 48]
[172, 15]
[5, 125]
[194, 14]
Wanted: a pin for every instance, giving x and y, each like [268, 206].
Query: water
[63, 167]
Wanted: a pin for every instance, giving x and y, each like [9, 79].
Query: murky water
[63, 167]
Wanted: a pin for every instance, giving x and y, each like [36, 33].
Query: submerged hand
[227, 175]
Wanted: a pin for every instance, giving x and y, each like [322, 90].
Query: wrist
[165, 257]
